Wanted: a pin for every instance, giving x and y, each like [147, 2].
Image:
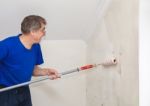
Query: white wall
[144, 52]
[67, 19]
[70, 90]
[116, 34]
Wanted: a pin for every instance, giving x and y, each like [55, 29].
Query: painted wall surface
[116, 35]
[144, 52]
[70, 90]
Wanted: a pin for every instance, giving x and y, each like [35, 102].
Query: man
[19, 59]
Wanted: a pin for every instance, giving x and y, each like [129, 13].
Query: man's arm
[38, 71]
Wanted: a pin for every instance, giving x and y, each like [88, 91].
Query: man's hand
[52, 73]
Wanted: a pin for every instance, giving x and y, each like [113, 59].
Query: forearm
[38, 71]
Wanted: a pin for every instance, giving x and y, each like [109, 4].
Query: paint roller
[107, 62]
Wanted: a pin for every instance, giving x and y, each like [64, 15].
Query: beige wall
[116, 35]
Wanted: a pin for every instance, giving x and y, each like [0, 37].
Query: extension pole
[46, 77]
[108, 62]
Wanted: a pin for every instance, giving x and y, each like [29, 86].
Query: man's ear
[32, 33]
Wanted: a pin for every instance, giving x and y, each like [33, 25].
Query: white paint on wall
[70, 90]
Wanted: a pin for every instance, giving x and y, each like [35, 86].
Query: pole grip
[87, 67]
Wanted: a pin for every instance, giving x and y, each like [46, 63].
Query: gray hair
[32, 23]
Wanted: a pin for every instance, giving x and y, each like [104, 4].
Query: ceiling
[67, 19]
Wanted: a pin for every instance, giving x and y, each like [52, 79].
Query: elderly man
[20, 57]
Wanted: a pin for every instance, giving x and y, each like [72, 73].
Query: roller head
[109, 62]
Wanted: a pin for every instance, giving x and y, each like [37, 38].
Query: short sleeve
[39, 56]
[3, 51]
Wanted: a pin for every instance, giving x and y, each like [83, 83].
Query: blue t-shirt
[17, 62]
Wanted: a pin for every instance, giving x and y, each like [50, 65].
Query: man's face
[37, 35]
